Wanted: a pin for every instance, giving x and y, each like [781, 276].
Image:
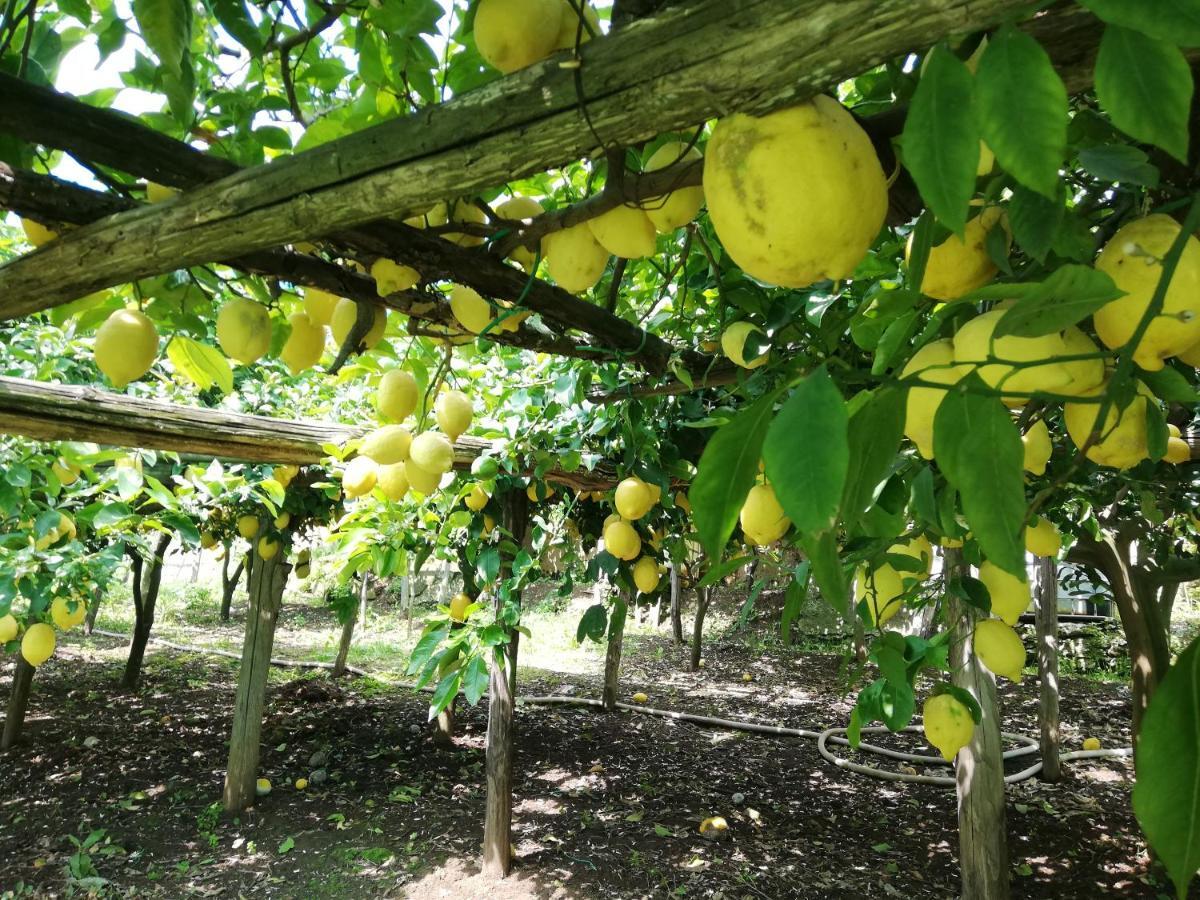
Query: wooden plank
[692, 62]
[1046, 635]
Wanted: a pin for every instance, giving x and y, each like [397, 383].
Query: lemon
[1123, 441]
[38, 644]
[489, 525]
[762, 517]
[303, 569]
[1037, 447]
[570, 26]
[920, 551]
[633, 498]
[126, 346]
[538, 491]
[477, 499]
[1000, 649]
[67, 473]
[285, 474]
[639, 697]
[320, 305]
[1191, 356]
[795, 196]
[733, 345]
[646, 575]
[524, 210]
[574, 258]
[454, 413]
[1178, 450]
[513, 34]
[461, 211]
[682, 501]
[207, 540]
[1010, 594]
[283, 520]
[391, 277]
[948, 724]
[304, 345]
[63, 616]
[393, 481]
[883, 590]
[1091, 743]
[458, 607]
[934, 363]
[301, 783]
[421, 481]
[8, 628]
[713, 826]
[267, 547]
[397, 395]
[432, 452]
[344, 315]
[1042, 538]
[471, 311]
[360, 476]
[159, 193]
[960, 265]
[625, 231]
[622, 541]
[244, 330]
[262, 787]
[1133, 259]
[36, 233]
[387, 445]
[974, 343]
[680, 206]
[1082, 374]
[247, 526]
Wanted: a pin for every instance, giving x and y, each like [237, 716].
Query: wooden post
[612, 659]
[979, 768]
[676, 611]
[406, 593]
[1047, 657]
[18, 700]
[266, 582]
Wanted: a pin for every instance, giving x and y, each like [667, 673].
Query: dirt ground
[605, 805]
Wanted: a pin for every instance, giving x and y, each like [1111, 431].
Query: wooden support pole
[1047, 657]
[676, 611]
[979, 767]
[18, 701]
[612, 658]
[267, 580]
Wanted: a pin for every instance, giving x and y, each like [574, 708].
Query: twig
[364, 319]
[29, 23]
[614, 288]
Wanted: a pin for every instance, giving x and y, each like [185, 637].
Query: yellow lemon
[283, 520]
[1010, 594]
[67, 473]
[622, 541]
[458, 607]
[397, 395]
[569, 27]
[471, 311]
[948, 724]
[1037, 447]
[320, 305]
[267, 547]
[574, 258]
[477, 499]
[391, 277]
[733, 345]
[432, 452]
[682, 501]
[1178, 451]
[713, 826]
[244, 330]
[680, 206]
[126, 346]
[1091, 743]
[301, 783]
[523, 210]
[344, 315]
[247, 526]
[633, 498]
[459, 212]
[454, 413]
[8, 628]
[761, 516]
[999, 648]
[387, 445]
[360, 476]
[513, 34]
[36, 233]
[207, 540]
[974, 344]
[285, 474]
[393, 481]
[1042, 539]
[646, 575]
[159, 193]
[304, 345]
[1123, 441]
[421, 481]
[933, 363]
[262, 787]
[920, 551]
[960, 265]
[38, 644]
[64, 617]
[883, 590]
[639, 697]
[625, 231]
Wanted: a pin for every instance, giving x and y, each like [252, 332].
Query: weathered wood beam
[690, 63]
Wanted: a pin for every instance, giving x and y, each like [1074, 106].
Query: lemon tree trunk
[702, 597]
[1047, 658]
[18, 700]
[676, 612]
[146, 583]
[347, 638]
[229, 581]
[266, 594]
[612, 659]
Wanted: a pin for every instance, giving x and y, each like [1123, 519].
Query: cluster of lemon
[633, 499]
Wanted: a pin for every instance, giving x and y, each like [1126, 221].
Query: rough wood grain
[18, 702]
[1046, 635]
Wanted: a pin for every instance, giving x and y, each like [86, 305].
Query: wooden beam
[692, 62]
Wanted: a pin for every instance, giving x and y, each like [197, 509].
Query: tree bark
[18, 702]
[443, 732]
[363, 589]
[612, 658]
[702, 597]
[89, 623]
[229, 582]
[146, 583]
[676, 611]
[267, 582]
[1047, 657]
[339, 664]
[979, 767]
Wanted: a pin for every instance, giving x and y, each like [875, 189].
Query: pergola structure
[674, 69]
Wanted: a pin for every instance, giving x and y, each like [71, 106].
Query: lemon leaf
[873, 436]
[1070, 294]
[166, 27]
[200, 364]
[1177, 21]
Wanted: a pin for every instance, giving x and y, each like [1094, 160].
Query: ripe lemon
[207, 540]
[421, 481]
[360, 476]
[262, 787]
[646, 575]
[1123, 440]
[538, 491]
[454, 413]
[999, 648]
[1191, 356]
[471, 311]
[1091, 743]
[960, 265]
[1037, 446]
[36, 233]
[974, 343]
[461, 211]
[1042, 539]
[1010, 594]
[622, 541]
[432, 452]
[920, 551]
[633, 498]
[301, 783]
[283, 520]
[625, 231]
[267, 547]
[762, 517]
[126, 346]
[513, 34]
[733, 345]
[883, 590]
[569, 28]
[1082, 374]
[682, 501]
[714, 826]
[344, 315]
[795, 196]
[935, 363]
[639, 697]
[393, 481]
[247, 526]
[391, 277]
[304, 345]
[574, 258]
[320, 305]
[1178, 450]
[948, 724]
[524, 210]
[244, 330]
[1133, 259]
[489, 525]
[397, 395]
[284, 474]
[477, 499]
[8, 628]
[64, 617]
[458, 607]
[387, 445]
[159, 193]
[680, 206]
[67, 473]
[38, 644]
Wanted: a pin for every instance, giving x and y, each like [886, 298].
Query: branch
[332, 14]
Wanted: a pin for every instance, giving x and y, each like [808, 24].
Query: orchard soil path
[605, 805]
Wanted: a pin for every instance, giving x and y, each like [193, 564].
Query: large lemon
[1133, 259]
[458, 607]
[883, 590]
[1122, 442]
[344, 315]
[387, 445]
[975, 343]
[1010, 595]
[477, 499]
[304, 345]
[959, 265]
[393, 481]
[948, 724]
[680, 206]
[1037, 448]
[796, 196]
[126, 346]
[935, 363]
[320, 305]
[8, 628]
[523, 210]
[1178, 450]
[432, 452]
[247, 526]
[512, 34]
[1042, 539]
[244, 330]
[633, 498]
[454, 413]
[360, 476]
[574, 258]
[1000, 648]
[38, 644]
[459, 212]
[733, 345]
[268, 547]
[1082, 374]
[470, 310]
[622, 541]
[65, 618]
[646, 575]
[36, 233]
[761, 516]
[397, 395]
[624, 231]
[421, 481]
[391, 277]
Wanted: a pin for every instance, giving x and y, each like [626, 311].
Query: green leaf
[1021, 104]
[726, 473]
[287, 845]
[793, 600]
[129, 483]
[1177, 21]
[941, 140]
[827, 571]
[475, 680]
[1169, 385]
[716, 573]
[1070, 294]
[445, 692]
[874, 434]
[111, 514]
[166, 27]
[1035, 220]
[1156, 430]
[979, 449]
[1145, 86]
[806, 453]
[425, 646]
[235, 18]
[592, 624]
[1166, 794]
[897, 704]
[1118, 162]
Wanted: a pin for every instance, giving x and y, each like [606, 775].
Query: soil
[604, 805]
